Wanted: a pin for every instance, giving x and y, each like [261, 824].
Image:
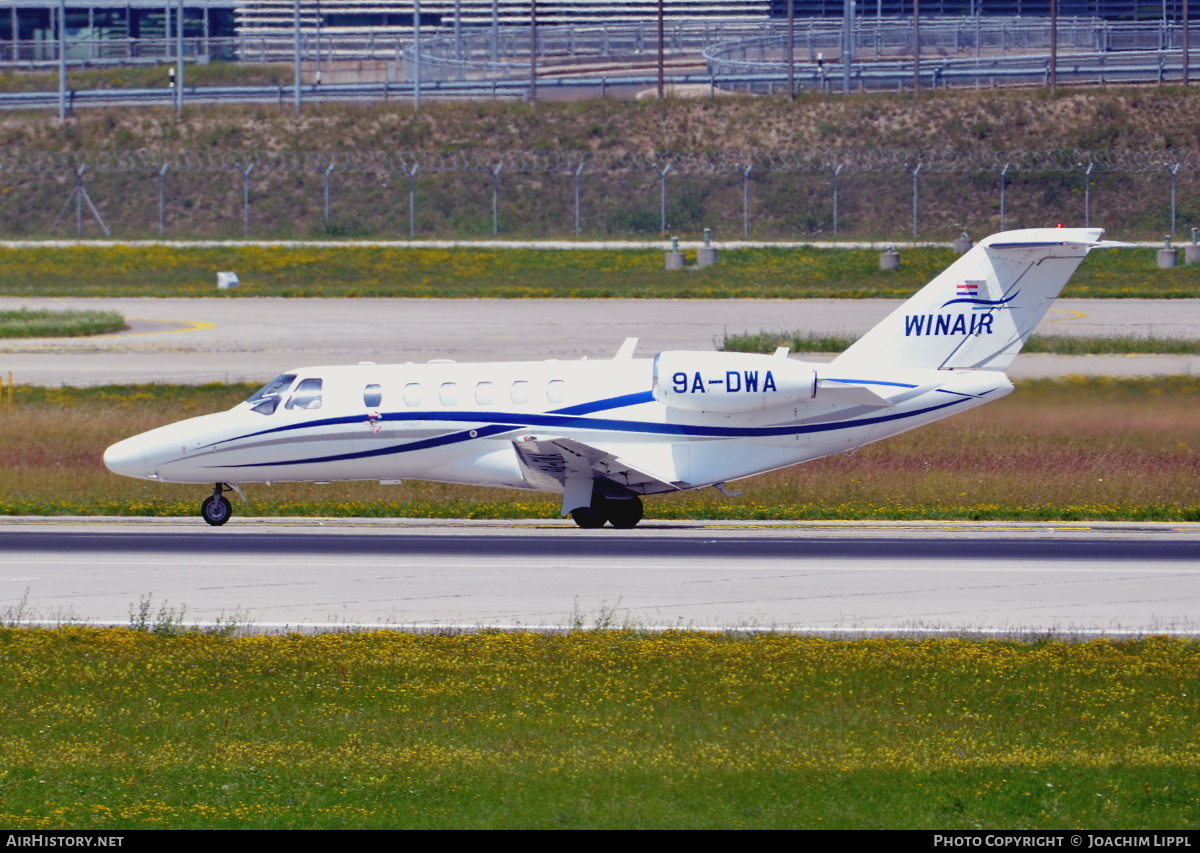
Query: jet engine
[730, 381]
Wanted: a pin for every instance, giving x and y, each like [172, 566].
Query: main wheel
[594, 516]
[624, 514]
[216, 510]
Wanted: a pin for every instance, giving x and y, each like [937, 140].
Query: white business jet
[604, 433]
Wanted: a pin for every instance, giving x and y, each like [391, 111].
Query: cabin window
[412, 394]
[448, 393]
[520, 391]
[484, 392]
[372, 396]
[307, 395]
[556, 391]
[266, 399]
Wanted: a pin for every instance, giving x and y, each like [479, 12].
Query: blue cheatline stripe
[611, 425]
[610, 403]
[421, 444]
[578, 409]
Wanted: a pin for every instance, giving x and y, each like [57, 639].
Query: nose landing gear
[216, 509]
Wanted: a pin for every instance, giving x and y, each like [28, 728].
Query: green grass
[355, 270]
[801, 342]
[149, 77]
[123, 729]
[1076, 449]
[38, 323]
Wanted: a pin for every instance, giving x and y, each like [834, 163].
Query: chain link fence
[874, 193]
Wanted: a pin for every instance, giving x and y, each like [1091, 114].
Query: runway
[828, 578]
[248, 339]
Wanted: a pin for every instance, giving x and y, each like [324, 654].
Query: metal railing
[726, 48]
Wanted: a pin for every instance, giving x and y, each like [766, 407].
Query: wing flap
[548, 462]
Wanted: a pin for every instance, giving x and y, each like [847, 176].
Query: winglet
[626, 350]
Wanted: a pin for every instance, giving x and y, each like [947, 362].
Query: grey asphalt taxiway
[833, 578]
[248, 339]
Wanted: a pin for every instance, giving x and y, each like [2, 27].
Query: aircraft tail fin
[980, 311]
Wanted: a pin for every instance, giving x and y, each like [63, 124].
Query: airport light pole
[837, 172]
[662, 196]
[915, 172]
[1053, 46]
[1003, 182]
[416, 49]
[162, 199]
[791, 49]
[745, 170]
[1185, 74]
[179, 60]
[296, 55]
[532, 53]
[62, 61]
[495, 30]
[578, 172]
[661, 51]
[847, 42]
[317, 67]
[916, 47]
[412, 198]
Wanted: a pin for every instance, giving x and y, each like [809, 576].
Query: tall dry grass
[1078, 448]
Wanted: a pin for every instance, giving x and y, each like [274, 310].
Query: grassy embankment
[124, 729]
[149, 76]
[1078, 449]
[369, 197]
[480, 273]
[38, 323]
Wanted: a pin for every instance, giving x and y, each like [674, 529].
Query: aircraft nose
[126, 458]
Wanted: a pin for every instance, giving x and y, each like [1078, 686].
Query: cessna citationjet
[604, 433]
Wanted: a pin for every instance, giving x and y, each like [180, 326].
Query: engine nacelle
[730, 381]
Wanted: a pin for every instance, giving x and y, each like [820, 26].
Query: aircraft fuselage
[458, 422]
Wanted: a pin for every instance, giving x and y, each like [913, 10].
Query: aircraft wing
[547, 463]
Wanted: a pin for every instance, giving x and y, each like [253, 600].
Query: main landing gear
[621, 513]
[216, 509]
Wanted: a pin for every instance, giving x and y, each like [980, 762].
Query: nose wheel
[216, 509]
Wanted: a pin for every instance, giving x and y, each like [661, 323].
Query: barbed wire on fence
[657, 172]
[723, 162]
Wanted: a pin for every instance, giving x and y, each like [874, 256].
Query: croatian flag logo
[968, 293]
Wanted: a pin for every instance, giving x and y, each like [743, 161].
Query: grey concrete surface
[836, 578]
[253, 339]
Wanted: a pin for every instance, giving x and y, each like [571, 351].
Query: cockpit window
[306, 396]
[266, 399]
